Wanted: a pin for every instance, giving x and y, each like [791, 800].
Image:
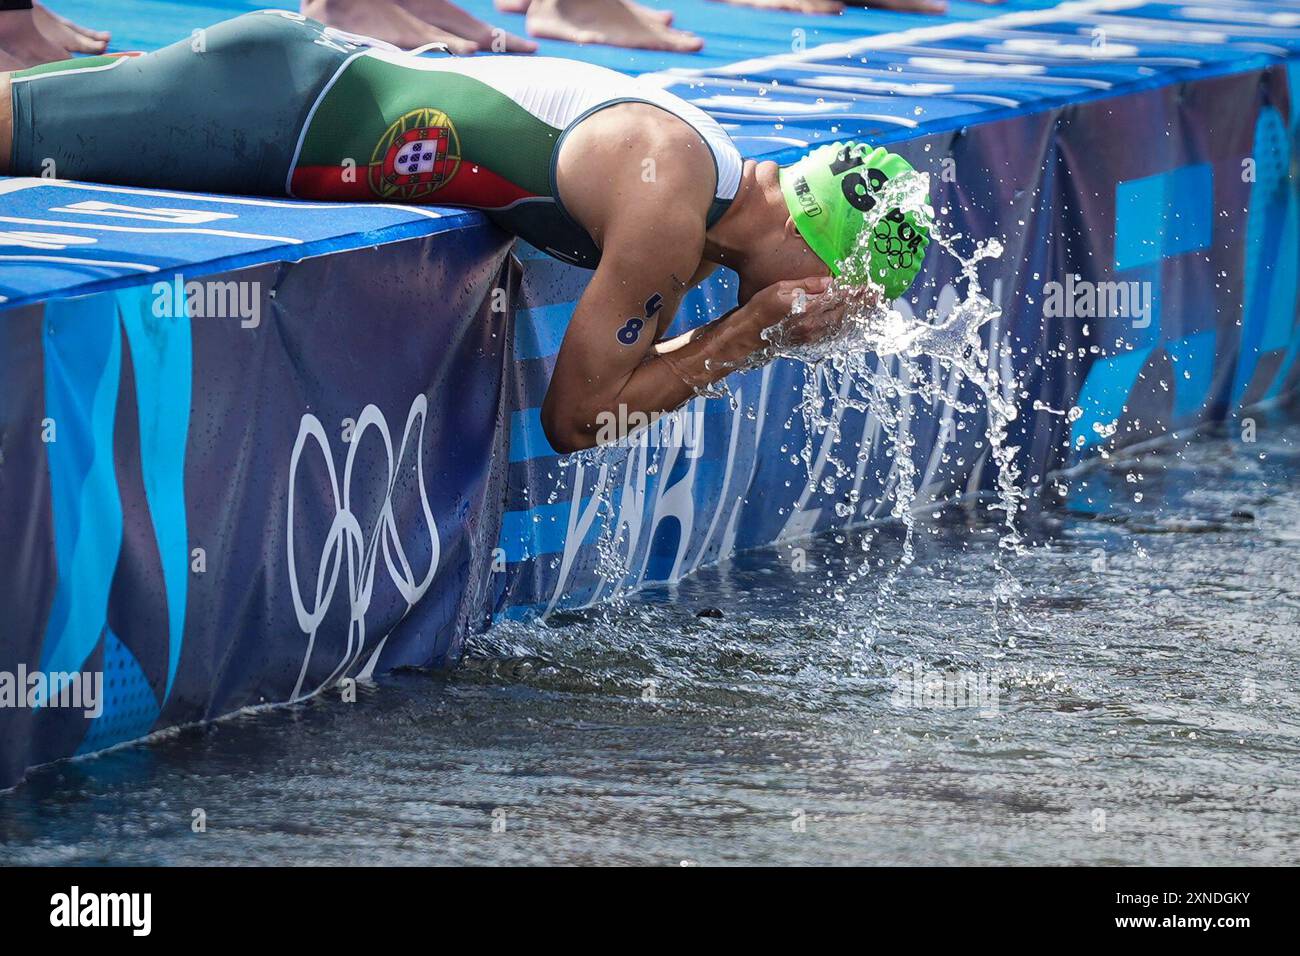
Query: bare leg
[663, 16]
[610, 22]
[22, 44]
[68, 35]
[6, 124]
[384, 20]
[447, 16]
[797, 6]
[908, 6]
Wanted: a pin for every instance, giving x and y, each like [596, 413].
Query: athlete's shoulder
[640, 177]
[642, 146]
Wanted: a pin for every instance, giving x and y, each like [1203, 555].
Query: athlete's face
[786, 256]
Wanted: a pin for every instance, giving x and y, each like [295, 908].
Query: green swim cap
[829, 192]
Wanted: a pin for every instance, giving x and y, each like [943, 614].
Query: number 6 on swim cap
[830, 191]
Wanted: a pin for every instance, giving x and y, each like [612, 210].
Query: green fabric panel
[373, 94]
[224, 119]
[58, 66]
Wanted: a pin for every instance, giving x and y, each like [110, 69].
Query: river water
[1135, 704]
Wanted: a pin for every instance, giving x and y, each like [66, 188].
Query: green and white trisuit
[273, 103]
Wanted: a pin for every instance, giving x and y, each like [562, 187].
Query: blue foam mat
[779, 82]
[730, 33]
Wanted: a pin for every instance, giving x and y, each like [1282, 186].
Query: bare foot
[384, 20]
[69, 36]
[447, 16]
[610, 22]
[904, 6]
[797, 6]
[663, 16]
[22, 44]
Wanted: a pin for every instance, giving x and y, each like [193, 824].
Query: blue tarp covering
[347, 472]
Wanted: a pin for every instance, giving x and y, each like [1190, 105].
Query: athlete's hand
[796, 312]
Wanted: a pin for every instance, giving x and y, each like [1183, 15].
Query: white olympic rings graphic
[346, 537]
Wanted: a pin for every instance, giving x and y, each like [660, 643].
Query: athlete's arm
[651, 234]
[600, 380]
[705, 270]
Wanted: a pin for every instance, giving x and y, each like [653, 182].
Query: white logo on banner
[645, 503]
[347, 541]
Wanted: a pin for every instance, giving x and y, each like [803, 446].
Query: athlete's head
[829, 195]
[759, 228]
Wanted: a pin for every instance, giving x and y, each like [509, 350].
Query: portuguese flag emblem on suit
[417, 155]
[387, 132]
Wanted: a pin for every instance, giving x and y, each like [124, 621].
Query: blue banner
[238, 489]
[250, 448]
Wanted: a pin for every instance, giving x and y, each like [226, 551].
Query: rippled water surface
[1136, 704]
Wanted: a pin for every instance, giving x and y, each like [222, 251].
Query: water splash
[872, 364]
[881, 362]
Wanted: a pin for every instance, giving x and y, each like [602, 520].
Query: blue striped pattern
[83, 353]
[160, 352]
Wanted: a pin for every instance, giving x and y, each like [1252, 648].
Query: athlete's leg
[219, 112]
[521, 6]
[385, 20]
[69, 36]
[21, 41]
[609, 22]
[412, 23]
[795, 6]
[448, 16]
